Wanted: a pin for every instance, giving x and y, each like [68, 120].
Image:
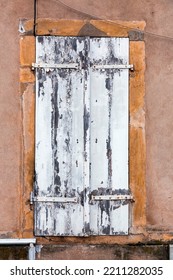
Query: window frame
[137, 145]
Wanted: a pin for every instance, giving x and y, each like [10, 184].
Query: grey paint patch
[135, 35]
[86, 126]
[88, 28]
[108, 83]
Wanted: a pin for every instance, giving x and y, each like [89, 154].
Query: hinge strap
[74, 199]
[77, 66]
[112, 197]
[113, 66]
[51, 199]
[54, 66]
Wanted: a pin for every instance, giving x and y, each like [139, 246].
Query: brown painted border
[85, 28]
[137, 148]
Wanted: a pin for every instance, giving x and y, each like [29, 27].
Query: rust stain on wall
[26, 75]
[137, 176]
[137, 136]
[27, 90]
[137, 83]
[27, 50]
[52, 27]
[28, 134]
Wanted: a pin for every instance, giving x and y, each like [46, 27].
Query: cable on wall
[35, 18]
[80, 12]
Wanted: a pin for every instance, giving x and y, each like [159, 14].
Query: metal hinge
[112, 197]
[58, 66]
[51, 199]
[114, 66]
[77, 66]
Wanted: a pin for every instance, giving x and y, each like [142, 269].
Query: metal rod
[170, 252]
[31, 252]
[17, 241]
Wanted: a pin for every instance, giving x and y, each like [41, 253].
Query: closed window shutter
[59, 136]
[109, 134]
[81, 136]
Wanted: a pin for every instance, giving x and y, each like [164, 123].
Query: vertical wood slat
[83, 162]
[99, 128]
[86, 152]
[44, 160]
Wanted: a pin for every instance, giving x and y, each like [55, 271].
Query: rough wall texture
[13, 253]
[11, 179]
[86, 252]
[158, 105]
[93, 252]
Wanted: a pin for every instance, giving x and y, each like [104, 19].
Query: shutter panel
[81, 136]
[109, 134]
[59, 137]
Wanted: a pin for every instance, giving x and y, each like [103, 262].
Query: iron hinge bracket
[55, 66]
[51, 199]
[114, 66]
[77, 66]
[112, 197]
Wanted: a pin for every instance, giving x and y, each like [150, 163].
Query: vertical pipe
[171, 252]
[35, 17]
[31, 252]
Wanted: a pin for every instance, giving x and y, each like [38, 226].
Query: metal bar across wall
[18, 241]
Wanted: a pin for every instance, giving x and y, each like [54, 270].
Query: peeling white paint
[81, 136]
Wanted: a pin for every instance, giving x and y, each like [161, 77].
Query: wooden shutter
[109, 134]
[60, 136]
[81, 136]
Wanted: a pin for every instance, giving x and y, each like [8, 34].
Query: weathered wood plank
[67, 131]
[99, 136]
[44, 153]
